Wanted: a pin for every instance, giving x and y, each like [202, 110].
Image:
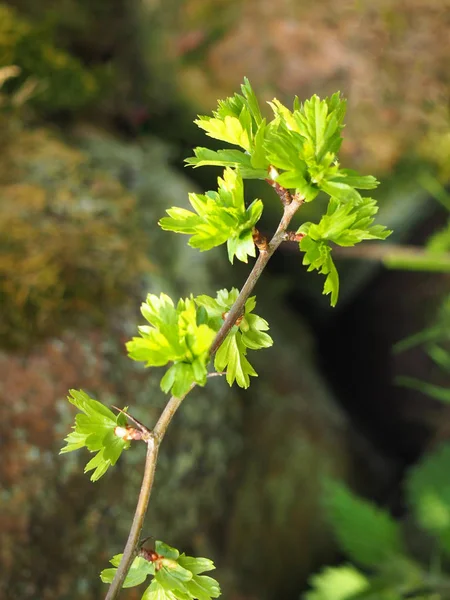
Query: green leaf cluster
[248, 333]
[344, 224]
[299, 150]
[219, 217]
[174, 334]
[300, 145]
[237, 121]
[95, 429]
[175, 576]
[183, 335]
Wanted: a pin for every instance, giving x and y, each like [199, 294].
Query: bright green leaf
[345, 224]
[229, 129]
[249, 333]
[196, 565]
[318, 257]
[220, 217]
[227, 158]
[203, 587]
[95, 430]
[155, 591]
[173, 578]
[231, 356]
[139, 571]
[175, 335]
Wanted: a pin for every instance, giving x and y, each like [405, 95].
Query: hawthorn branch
[153, 442]
[283, 193]
[159, 431]
[138, 520]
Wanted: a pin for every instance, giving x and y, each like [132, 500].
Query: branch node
[238, 320]
[131, 433]
[283, 193]
[293, 236]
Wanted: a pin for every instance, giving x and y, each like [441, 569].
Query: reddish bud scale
[238, 320]
[152, 557]
[292, 236]
[259, 240]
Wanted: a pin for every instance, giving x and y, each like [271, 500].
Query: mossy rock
[71, 243]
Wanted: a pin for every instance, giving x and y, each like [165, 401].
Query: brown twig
[238, 307]
[283, 193]
[157, 435]
[138, 521]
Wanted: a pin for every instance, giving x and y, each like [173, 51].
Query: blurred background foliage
[97, 99]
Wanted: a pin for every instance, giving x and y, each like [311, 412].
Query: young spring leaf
[345, 224]
[175, 335]
[304, 145]
[299, 148]
[219, 217]
[248, 333]
[320, 123]
[176, 577]
[318, 257]
[95, 429]
[369, 535]
[236, 159]
[231, 357]
[155, 591]
[139, 571]
[236, 119]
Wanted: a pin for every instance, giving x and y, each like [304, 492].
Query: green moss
[70, 240]
[63, 82]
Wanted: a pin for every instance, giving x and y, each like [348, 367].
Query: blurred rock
[71, 243]
[389, 59]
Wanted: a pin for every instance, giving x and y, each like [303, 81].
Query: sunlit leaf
[219, 217]
[174, 335]
[95, 429]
